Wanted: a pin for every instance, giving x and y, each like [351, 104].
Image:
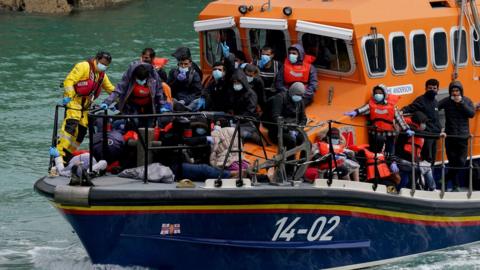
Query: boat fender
[72, 195]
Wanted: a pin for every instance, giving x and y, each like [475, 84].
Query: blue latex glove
[351, 113]
[293, 134]
[181, 76]
[200, 104]
[243, 65]
[410, 132]
[209, 139]
[167, 107]
[54, 152]
[104, 106]
[66, 100]
[394, 167]
[225, 49]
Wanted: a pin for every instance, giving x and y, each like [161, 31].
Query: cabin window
[275, 39]
[331, 54]
[374, 49]
[438, 39]
[213, 49]
[475, 47]
[463, 47]
[418, 41]
[398, 53]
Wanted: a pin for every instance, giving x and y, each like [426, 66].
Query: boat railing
[415, 162]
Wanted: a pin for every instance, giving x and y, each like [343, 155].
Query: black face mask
[430, 94]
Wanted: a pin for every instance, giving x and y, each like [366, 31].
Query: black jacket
[292, 113]
[430, 108]
[243, 102]
[457, 114]
[188, 89]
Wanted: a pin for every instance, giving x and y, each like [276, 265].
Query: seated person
[243, 102]
[344, 165]
[402, 161]
[80, 159]
[288, 106]
[186, 85]
[297, 68]
[215, 86]
[256, 84]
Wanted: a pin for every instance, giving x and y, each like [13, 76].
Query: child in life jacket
[404, 152]
[344, 164]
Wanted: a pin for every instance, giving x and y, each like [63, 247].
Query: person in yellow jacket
[81, 87]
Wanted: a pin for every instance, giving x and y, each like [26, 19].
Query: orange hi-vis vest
[296, 73]
[382, 115]
[90, 86]
[140, 95]
[324, 149]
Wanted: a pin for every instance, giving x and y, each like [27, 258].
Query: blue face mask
[296, 98]
[101, 67]
[293, 58]
[141, 82]
[183, 69]
[335, 141]
[378, 97]
[266, 58]
[237, 86]
[200, 131]
[217, 74]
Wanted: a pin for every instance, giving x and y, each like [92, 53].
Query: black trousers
[429, 150]
[457, 150]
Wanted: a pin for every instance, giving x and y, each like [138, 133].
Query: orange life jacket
[382, 167]
[296, 73]
[417, 141]
[140, 95]
[167, 91]
[90, 86]
[159, 63]
[324, 149]
[382, 115]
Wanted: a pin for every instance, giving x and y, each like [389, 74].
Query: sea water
[36, 53]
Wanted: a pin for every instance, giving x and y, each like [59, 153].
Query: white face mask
[249, 79]
[296, 98]
[183, 69]
[141, 82]
[236, 65]
[101, 67]
[422, 126]
[293, 58]
[378, 97]
[237, 86]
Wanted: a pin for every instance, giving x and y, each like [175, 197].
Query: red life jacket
[417, 141]
[382, 115]
[140, 95]
[90, 86]
[296, 73]
[324, 149]
[382, 167]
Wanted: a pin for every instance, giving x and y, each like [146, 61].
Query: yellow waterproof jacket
[81, 72]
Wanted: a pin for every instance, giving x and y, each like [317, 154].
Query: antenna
[268, 4]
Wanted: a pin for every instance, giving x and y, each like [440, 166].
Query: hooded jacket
[311, 87]
[125, 87]
[457, 113]
[429, 107]
[243, 102]
[188, 89]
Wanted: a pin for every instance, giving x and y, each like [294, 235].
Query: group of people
[401, 140]
[265, 91]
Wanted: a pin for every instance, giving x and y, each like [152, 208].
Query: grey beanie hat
[297, 88]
